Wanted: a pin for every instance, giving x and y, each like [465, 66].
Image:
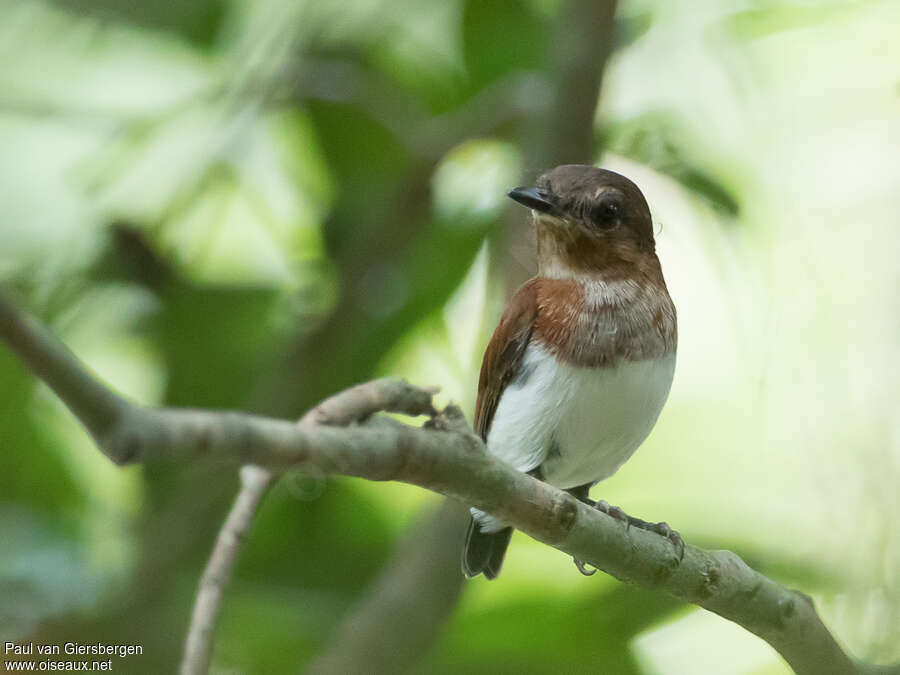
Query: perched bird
[581, 363]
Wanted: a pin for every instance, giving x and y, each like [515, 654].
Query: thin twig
[95, 405]
[217, 573]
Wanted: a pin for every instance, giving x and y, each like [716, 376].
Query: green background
[254, 203]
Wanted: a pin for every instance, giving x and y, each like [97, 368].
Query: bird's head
[588, 220]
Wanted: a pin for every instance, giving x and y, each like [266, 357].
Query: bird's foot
[613, 511]
[582, 567]
[661, 529]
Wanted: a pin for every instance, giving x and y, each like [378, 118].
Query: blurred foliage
[631, 27]
[658, 140]
[492, 40]
[62, 496]
[199, 21]
[253, 203]
[765, 18]
[570, 635]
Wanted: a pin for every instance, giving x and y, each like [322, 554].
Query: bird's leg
[581, 494]
[661, 529]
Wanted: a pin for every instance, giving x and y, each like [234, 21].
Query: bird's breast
[578, 423]
[603, 322]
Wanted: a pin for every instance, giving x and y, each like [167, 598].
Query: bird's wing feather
[504, 353]
[484, 551]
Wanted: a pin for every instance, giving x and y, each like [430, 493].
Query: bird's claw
[582, 567]
[613, 511]
[661, 529]
[664, 530]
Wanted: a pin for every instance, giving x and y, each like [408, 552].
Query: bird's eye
[605, 213]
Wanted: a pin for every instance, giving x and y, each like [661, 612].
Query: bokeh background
[254, 203]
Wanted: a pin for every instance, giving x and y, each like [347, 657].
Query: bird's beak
[534, 198]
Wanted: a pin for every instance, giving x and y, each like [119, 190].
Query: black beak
[534, 198]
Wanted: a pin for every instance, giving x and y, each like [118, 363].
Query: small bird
[581, 363]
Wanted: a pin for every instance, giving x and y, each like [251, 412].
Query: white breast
[578, 424]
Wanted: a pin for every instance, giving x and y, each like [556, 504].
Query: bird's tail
[484, 551]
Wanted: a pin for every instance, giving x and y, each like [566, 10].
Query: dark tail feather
[484, 551]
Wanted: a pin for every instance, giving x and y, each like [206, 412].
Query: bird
[583, 357]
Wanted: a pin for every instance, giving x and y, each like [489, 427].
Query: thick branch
[445, 458]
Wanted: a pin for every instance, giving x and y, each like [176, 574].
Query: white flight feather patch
[579, 424]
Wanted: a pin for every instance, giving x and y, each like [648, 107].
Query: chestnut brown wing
[504, 353]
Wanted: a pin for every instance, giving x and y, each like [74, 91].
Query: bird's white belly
[578, 424]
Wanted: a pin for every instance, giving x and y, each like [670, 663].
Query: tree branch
[217, 573]
[95, 405]
[347, 407]
[446, 457]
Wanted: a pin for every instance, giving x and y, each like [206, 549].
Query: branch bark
[446, 457]
[198, 646]
[352, 405]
